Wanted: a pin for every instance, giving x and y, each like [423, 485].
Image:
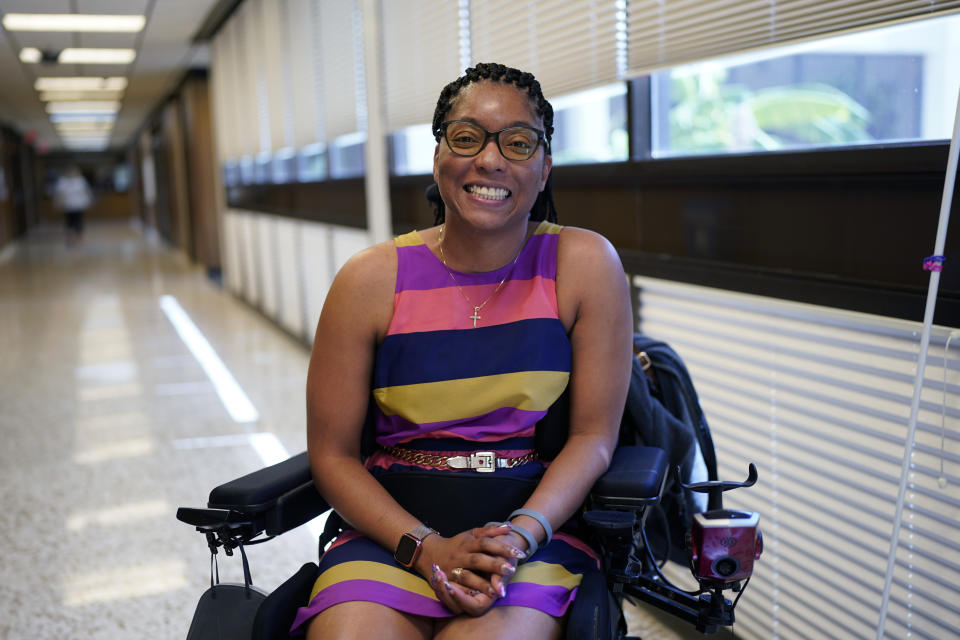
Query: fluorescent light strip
[57, 118]
[231, 395]
[86, 106]
[69, 96]
[96, 56]
[81, 22]
[83, 127]
[80, 83]
[30, 55]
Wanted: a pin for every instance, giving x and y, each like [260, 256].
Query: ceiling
[165, 51]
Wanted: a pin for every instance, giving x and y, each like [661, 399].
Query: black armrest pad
[261, 489]
[636, 476]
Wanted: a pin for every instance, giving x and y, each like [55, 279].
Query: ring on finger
[455, 574]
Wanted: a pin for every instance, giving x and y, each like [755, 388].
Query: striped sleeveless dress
[451, 384]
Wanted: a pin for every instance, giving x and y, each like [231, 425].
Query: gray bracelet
[539, 517]
[532, 545]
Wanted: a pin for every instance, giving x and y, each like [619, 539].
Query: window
[346, 155]
[896, 84]
[590, 126]
[412, 150]
[312, 163]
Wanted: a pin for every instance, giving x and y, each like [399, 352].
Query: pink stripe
[579, 544]
[446, 308]
[495, 425]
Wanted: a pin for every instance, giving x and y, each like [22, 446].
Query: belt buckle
[483, 461]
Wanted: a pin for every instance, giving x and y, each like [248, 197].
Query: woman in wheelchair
[466, 333]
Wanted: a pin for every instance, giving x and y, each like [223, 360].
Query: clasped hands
[470, 570]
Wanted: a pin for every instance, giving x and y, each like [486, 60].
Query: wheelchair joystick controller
[724, 542]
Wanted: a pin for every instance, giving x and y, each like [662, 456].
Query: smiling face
[487, 190]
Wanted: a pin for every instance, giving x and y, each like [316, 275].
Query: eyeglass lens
[466, 139]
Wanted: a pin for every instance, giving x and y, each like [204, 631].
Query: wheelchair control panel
[722, 545]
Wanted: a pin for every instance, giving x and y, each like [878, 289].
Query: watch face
[406, 551]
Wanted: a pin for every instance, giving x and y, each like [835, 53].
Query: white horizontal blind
[302, 63]
[275, 68]
[668, 32]
[820, 399]
[567, 44]
[341, 60]
[421, 45]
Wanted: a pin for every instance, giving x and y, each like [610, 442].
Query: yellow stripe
[547, 227]
[469, 397]
[366, 570]
[547, 574]
[411, 239]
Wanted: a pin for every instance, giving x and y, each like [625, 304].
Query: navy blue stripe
[537, 344]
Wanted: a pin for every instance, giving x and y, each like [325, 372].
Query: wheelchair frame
[276, 499]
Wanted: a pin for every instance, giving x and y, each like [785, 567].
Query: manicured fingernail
[507, 525]
[448, 586]
[517, 553]
[436, 568]
[508, 569]
[503, 591]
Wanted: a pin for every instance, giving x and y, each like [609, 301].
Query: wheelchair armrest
[278, 498]
[635, 478]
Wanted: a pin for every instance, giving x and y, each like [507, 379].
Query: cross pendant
[475, 316]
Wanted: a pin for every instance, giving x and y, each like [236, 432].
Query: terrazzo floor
[101, 408]
[109, 423]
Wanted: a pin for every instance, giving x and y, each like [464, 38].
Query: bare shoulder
[361, 296]
[578, 244]
[589, 271]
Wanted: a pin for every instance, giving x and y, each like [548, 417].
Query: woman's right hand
[486, 561]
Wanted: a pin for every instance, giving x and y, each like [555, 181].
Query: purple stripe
[500, 423]
[552, 600]
[369, 591]
[420, 269]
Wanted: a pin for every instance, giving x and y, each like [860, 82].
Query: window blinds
[421, 49]
[820, 399]
[342, 71]
[304, 91]
[668, 32]
[567, 44]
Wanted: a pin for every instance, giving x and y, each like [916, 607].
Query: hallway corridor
[110, 422]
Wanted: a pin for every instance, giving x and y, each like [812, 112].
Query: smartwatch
[408, 549]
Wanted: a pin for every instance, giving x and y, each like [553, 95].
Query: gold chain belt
[480, 461]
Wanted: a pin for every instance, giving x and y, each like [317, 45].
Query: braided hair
[543, 208]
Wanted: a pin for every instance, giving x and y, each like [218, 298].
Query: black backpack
[663, 410]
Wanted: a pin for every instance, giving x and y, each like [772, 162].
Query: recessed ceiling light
[30, 55]
[88, 106]
[54, 96]
[73, 22]
[96, 56]
[80, 83]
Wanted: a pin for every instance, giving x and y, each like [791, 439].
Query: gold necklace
[476, 307]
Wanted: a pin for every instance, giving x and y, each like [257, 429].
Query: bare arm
[594, 302]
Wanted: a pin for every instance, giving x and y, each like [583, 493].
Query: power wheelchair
[719, 545]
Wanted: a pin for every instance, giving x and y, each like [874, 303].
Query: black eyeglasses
[467, 139]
